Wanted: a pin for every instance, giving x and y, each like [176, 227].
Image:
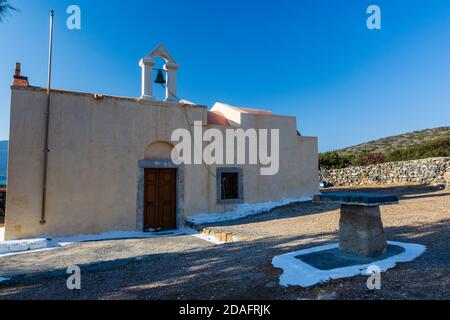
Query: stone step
[226, 237]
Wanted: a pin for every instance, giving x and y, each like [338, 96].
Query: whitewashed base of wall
[15, 247]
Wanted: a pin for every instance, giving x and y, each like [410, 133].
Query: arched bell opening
[152, 73]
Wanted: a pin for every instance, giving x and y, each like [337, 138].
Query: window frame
[240, 186]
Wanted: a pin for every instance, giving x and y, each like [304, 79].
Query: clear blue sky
[313, 59]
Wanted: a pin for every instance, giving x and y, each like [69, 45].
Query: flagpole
[47, 119]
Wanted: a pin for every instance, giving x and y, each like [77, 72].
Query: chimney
[19, 80]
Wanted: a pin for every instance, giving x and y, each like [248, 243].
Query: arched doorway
[160, 189]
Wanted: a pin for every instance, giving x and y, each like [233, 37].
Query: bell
[160, 78]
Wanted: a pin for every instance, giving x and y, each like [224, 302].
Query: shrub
[439, 147]
[372, 158]
[332, 160]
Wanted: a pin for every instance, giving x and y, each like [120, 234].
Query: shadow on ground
[244, 271]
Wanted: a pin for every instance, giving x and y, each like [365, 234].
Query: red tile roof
[217, 118]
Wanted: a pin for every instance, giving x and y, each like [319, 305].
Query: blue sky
[313, 59]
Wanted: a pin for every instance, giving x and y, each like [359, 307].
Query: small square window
[230, 185]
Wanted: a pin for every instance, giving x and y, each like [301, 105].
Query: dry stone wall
[426, 171]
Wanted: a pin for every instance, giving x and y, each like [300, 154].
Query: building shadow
[241, 271]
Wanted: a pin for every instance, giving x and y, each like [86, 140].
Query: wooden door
[160, 198]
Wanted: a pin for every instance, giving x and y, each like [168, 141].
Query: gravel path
[243, 270]
[95, 255]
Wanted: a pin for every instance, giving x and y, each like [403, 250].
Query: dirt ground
[195, 269]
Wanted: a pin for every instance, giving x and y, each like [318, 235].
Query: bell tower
[147, 65]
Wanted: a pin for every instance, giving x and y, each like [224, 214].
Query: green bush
[335, 160]
[439, 147]
[330, 160]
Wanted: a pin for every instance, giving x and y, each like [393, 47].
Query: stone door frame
[159, 164]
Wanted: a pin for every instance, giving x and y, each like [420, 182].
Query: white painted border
[243, 210]
[54, 243]
[22, 245]
[299, 273]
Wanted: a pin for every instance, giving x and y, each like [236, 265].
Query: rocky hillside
[389, 144]
[430, 143]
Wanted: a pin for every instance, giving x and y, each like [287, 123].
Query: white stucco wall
[95, 147]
